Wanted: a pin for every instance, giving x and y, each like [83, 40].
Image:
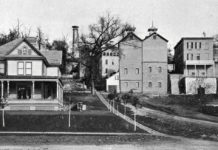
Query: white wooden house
[30, 78]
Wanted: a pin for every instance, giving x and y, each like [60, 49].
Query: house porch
[32, 94]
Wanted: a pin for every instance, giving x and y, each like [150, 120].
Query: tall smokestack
[75, 38]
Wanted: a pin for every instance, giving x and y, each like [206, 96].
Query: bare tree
[40, 37]
[102, 36]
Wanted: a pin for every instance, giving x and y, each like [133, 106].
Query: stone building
[194, 59]
[143, 63]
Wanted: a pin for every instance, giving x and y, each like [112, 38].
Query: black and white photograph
[108, 74]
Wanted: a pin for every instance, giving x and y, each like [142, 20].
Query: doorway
[23, 92]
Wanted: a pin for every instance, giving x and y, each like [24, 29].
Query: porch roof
[30, 78]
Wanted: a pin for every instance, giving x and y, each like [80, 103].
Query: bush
[111, 96]
[126, 97]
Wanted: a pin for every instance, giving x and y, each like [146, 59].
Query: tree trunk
[92, 85]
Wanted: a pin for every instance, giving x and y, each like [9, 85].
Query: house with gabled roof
[29, 77]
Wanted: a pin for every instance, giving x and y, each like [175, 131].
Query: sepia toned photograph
[108, 74]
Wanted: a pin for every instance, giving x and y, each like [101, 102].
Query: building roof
[157, 35]
[130, 33]
[8, 47]
[53, 57]
[193, 38]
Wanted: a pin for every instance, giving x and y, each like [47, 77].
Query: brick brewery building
[143, 63]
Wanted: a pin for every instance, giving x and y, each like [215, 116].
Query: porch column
[57, 90]
[33, 88]
[195, 71]
[8, 88]
[205, 70]
[2, 86]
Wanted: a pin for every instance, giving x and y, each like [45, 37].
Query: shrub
[111, 96]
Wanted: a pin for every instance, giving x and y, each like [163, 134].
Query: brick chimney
[75, 38]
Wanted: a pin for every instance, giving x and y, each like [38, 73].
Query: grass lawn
[182, 105]
[81, 140]
[174, 105]
[92, 102]
[95, 119]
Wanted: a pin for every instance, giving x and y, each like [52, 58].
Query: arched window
[106, 61]
[110, 54]
[107, 54]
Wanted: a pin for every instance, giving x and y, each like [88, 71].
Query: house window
[28, 68]
[193, 73]
[187, 45]
[159, 69]
[150, 69]
[107, 54]
[112, 62]
[104, 54]
[159, 84]
[2, 68]
[196, 45]
[206, 45]
[110, 54]
[198, 56]
[191, 45]
[199, 45]
[191, 56]
[19, 51]
[149, 84]
[20, 68]
[187, 56]
[137, 70]
[106, 70]
[137, 84]
[106, 61]
[126, 84]
[25, 51]
[125, 71]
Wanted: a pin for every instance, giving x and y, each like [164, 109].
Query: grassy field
[169, 125]
[81, 140]
[183, 105]
[92, 102]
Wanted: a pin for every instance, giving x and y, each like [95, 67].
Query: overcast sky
[174, 18]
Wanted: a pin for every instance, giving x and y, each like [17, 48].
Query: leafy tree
[102, 36]
[61, 45]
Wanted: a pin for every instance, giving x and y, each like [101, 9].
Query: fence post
[69, 123]
[135, 120]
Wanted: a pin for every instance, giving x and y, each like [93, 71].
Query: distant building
[194, 59]
[109, 62]
[112, 83]
[30, 78]
[143, 63]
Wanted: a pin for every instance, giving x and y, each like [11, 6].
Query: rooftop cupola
[152, 29]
